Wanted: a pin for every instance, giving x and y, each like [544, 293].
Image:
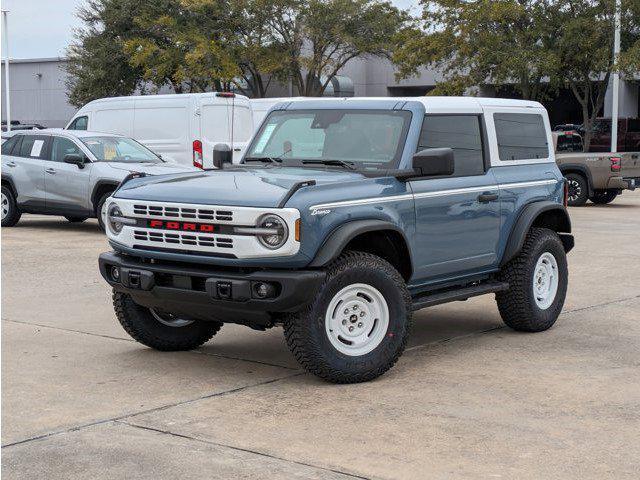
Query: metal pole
[7, 90]
[616, 81]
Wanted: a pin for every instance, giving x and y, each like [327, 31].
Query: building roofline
[37, 60]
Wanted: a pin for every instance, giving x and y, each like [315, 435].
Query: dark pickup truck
[628, 135]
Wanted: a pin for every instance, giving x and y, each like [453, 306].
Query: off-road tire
[578, 189]
[13, 212]
[306, 334]
[138, 322]
[76, 219]
[99, 205]
[602, 197]
[517, 305]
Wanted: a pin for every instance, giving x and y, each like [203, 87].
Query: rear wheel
[357, 326]
[578, 189]
[537, 279]
[161, 330]
[602, 197]
[10, 211]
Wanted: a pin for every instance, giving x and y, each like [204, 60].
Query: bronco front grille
[179, 238]
[183, 212]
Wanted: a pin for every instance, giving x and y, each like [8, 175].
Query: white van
[182, 128]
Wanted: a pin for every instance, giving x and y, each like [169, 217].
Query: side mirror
[433, 162]
[221, 154]
[75, 159]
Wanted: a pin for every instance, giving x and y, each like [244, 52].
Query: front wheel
[357, 326]
[161, 330]
[10, 211]
[537, 279]
[602, 197]
[100, 210]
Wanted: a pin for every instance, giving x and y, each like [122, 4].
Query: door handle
[51, 171]
[487, 197]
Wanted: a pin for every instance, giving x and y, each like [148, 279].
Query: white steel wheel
[357, 319]
[546, 279]
[169, 319]
[5, 206]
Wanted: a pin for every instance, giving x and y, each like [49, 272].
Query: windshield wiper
[339, 163]
[274, 160]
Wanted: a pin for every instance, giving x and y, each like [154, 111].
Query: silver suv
[57, 172]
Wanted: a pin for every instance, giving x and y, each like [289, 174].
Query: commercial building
[38, 90]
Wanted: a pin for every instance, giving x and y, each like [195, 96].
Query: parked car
[58, 172]
[16, 125]
[599, 177]
[181, 128]
[343, 218]
[628, 135]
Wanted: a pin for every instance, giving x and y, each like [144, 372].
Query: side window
[459, 132]
[8, 145]
[79, 123]
[63, 146]
[521, 136]
[32, 146]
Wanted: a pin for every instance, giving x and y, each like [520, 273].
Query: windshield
[367, 139]
[119, 149]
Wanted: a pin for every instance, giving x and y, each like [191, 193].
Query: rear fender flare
[526, 220]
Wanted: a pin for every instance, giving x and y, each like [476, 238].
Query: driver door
[66, 185]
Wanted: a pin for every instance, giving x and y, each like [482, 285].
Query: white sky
[44, 28]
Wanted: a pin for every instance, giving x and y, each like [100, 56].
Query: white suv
[57, 172]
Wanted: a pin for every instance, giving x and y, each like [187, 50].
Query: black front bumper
[205, 293]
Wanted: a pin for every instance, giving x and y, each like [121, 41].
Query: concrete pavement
[469, 398]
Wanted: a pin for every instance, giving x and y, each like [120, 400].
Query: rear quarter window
[521, 136]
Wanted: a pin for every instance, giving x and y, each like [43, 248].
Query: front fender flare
[341, 236]
[526, 219]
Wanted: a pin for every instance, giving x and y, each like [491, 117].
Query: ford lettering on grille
[181, 226]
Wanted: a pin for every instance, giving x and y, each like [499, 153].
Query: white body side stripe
[438, 193]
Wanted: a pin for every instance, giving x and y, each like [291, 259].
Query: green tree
[321, 36]
[481, 42]
[97, 65]
[584, 47]
[179, 44]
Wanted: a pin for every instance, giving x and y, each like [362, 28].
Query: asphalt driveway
[469, 398]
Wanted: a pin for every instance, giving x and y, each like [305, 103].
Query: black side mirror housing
[75, 159]
[221, 154]
[433, 162]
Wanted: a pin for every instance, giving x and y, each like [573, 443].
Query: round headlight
[278, 231]
[114, 225]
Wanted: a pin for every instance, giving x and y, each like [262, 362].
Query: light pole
[616, 80]
[7, 91]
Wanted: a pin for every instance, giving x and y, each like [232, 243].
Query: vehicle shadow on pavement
[89, 226]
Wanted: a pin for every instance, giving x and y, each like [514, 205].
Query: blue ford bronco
[344, 217]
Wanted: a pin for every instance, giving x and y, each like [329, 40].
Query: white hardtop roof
[437, 102]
